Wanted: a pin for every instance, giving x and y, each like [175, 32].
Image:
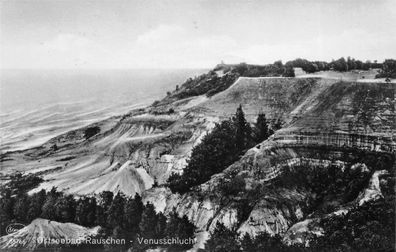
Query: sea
[37, 105]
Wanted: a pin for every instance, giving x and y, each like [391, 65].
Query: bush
[91, 131]
[388, 69]
[233, 187]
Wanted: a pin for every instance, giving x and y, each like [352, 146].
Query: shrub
[91, 131]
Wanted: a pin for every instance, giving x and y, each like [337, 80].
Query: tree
[115, 212]
[161, 226]
[117, 233]
[6, 209]
[105, 200]
[265, 242]
[216, 151]
[133, 214]
[388, 69]
[48, 210]
[21, 208]
[91, 131]
[247, 243]
[148, 222]
[340, 65]
[35, 205]
[223, 240]
[65, 208]
[242, 130]
[289, 72]
[261, 128]
[179, 227]
[85, 211]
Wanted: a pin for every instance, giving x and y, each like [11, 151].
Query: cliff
[327, 123]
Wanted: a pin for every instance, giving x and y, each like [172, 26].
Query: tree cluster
[367, 227]
[388, 69]
[91, 131]
[223, 239]
[341, 65]
[118, 215]
[220, 148]
[211, 83]
[370, 227]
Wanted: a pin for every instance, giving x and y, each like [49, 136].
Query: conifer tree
[91, 216]
[48, 210]
[223, 239]
[85, 211]
[21, 207]
[161, 226]
[148, 222]
[105, 200]
[179, 227]
[247, 243]
[115, 213]
[242, 130]
[35, 205]
[261, 129]
[133, 214]
[65, 208]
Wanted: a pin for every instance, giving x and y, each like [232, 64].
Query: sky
[56, 34]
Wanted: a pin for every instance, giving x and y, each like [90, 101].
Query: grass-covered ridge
[223, 76]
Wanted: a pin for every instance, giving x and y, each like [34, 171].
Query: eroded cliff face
[327, 123]
[335, 125]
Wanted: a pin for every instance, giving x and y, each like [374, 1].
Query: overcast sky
[191, 34]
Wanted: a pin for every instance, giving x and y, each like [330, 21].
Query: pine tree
[261, 129]
[6, 209]
[148, 222]
[172, 224]
[48, 210]
[242, 130]
[179, 227]
[133, 214]
[35, 205]
[105, 200]
[265, 242]
[223, 240]
[65, 208]
[186, 228]
[161, 226]
[91, 216]
[85, 211]
[216, 151]
[247, 243]
[117, 233]
[21, 208]
[115, 212]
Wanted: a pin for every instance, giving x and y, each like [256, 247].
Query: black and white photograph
[197, 125]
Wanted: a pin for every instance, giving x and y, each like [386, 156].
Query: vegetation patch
[119, 216]
[219, 149]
